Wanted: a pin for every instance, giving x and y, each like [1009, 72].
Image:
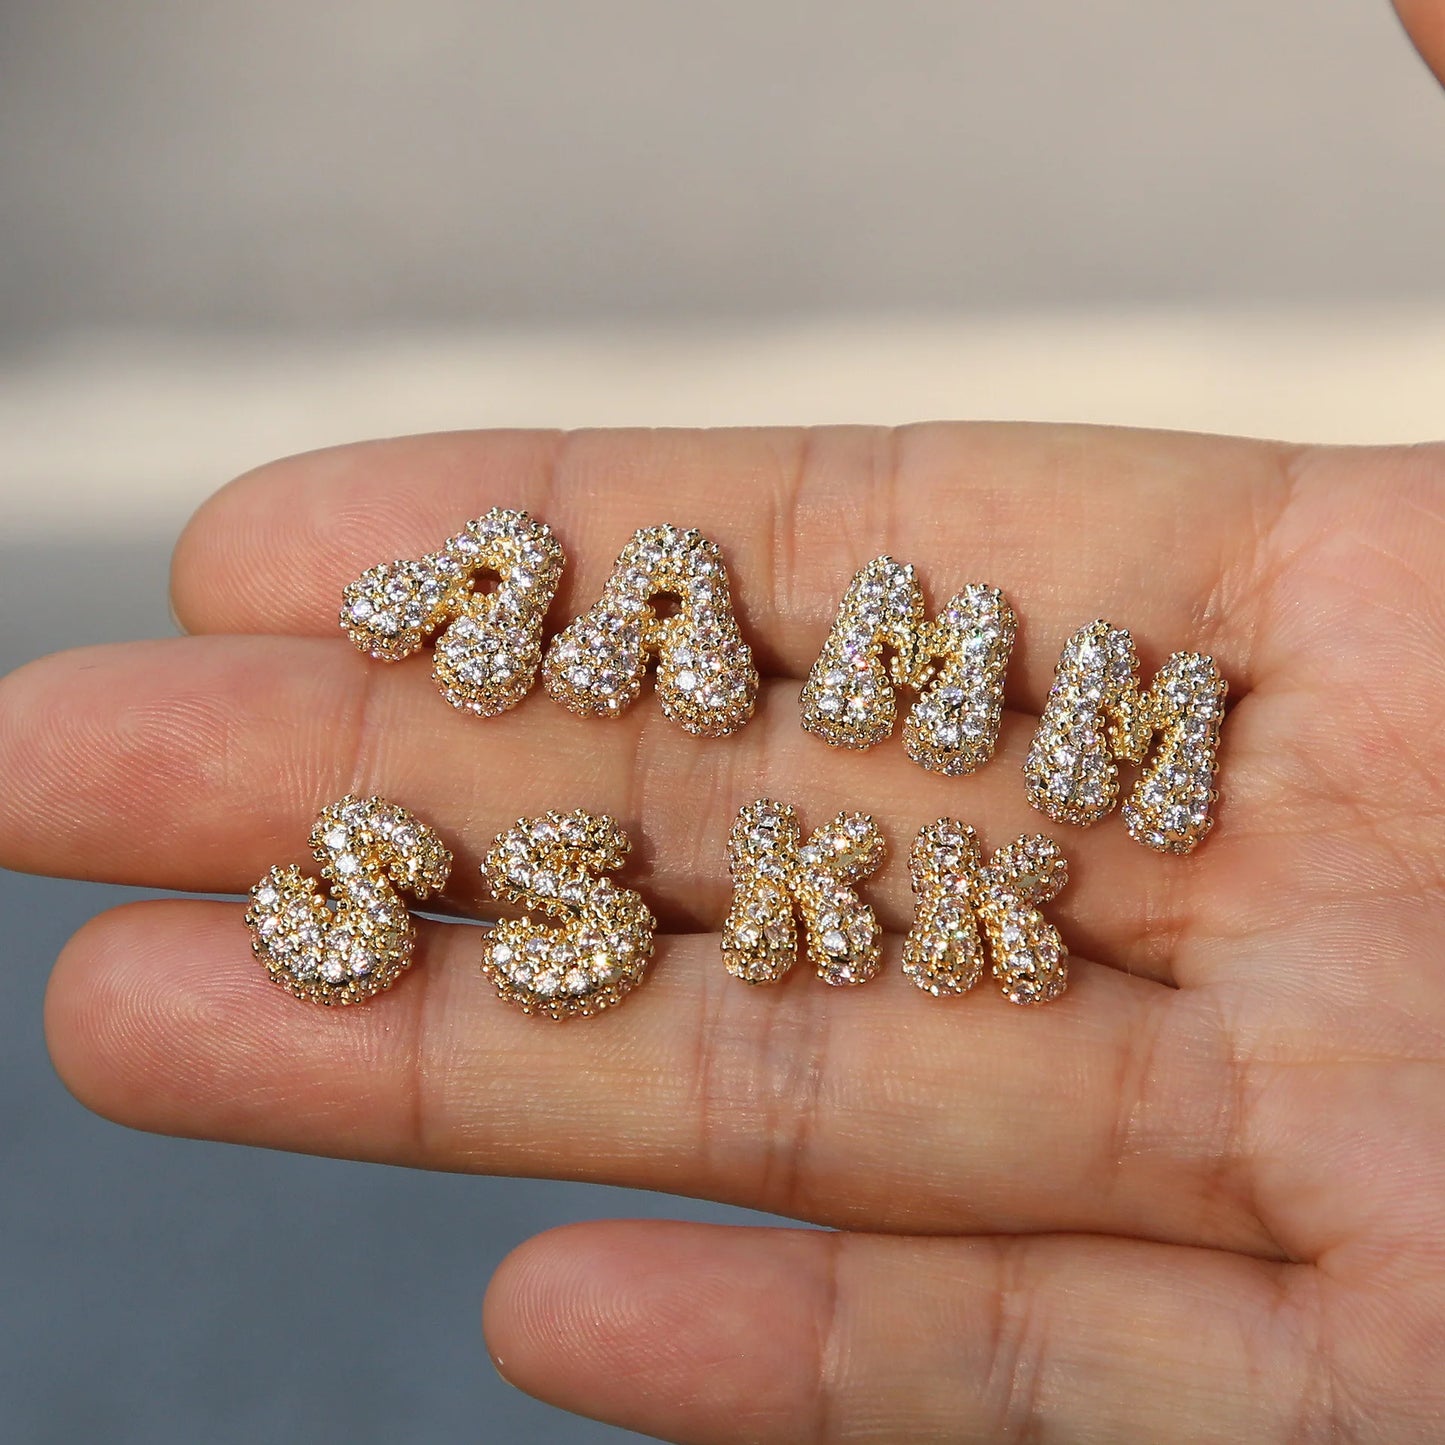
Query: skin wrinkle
[867, 539]
[559, 452]
[708, 1101]
[884, 489]
[790, 1153]
[784, 533]
[1017, 1363]
[1235, 1178]
[828, 1356]
[1318, 1419]
[1267, 563]
[1234, 610]
[780, 1067]
[1227, 1204]
[1132, 1081]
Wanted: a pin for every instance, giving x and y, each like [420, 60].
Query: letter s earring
[371, 851]
[596, 951]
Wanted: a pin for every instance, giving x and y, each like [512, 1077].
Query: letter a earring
[706, 680]
[1096, 717]
[595, 954]
[774, 871]
[957, 893]
[488, 643]
[956, 662]
[370, 851]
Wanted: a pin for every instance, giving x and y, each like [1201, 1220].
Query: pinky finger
[710, 1335]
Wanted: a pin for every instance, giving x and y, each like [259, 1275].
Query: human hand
[1424, 21]
[1201, 1197]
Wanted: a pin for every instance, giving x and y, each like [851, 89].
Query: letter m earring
[1096, 717]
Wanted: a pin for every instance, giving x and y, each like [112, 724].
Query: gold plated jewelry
[958, 894]
[774, 871]
[956, 661]
[1096, 717]
[706, 680]
[357, 944]
[595, 953]
[488, 643]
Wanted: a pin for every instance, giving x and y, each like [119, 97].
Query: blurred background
[233, 231]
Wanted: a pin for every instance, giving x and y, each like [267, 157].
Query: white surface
[125, 435]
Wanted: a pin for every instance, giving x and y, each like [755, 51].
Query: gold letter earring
[597, 951]
[1096, 717]
[369, 850]
[705, 675]
[488, 643]
[773, 870]
[956, 662]
[958, 892]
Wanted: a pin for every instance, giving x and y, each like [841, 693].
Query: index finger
[1156, 531]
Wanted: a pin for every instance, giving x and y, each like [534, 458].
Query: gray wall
[345, 162]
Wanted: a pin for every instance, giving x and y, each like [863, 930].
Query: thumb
[1424, 20]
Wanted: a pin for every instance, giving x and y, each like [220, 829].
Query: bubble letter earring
[957, 892]
[597, 952]
[705, 675]
[1096, 717]
[368, 849]
[956, 661]
[773, 870]
[488, 643]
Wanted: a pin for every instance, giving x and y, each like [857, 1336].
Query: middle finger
[196, 763]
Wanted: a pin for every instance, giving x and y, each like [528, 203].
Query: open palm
[1201, 1197]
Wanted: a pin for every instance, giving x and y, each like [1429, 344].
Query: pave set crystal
[594, 945]
[706, 680]
[775, 872]
[1096, 717]
[488, 641]
[586, 941]
[958, 894]
[956, 661]
[347, 948]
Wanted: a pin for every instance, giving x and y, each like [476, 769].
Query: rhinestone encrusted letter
[956, 662]
[488, 643]
[773, 871]
[706, 679]
[957, 893]
[597, 950]
[1096, 717]
[368, 850]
